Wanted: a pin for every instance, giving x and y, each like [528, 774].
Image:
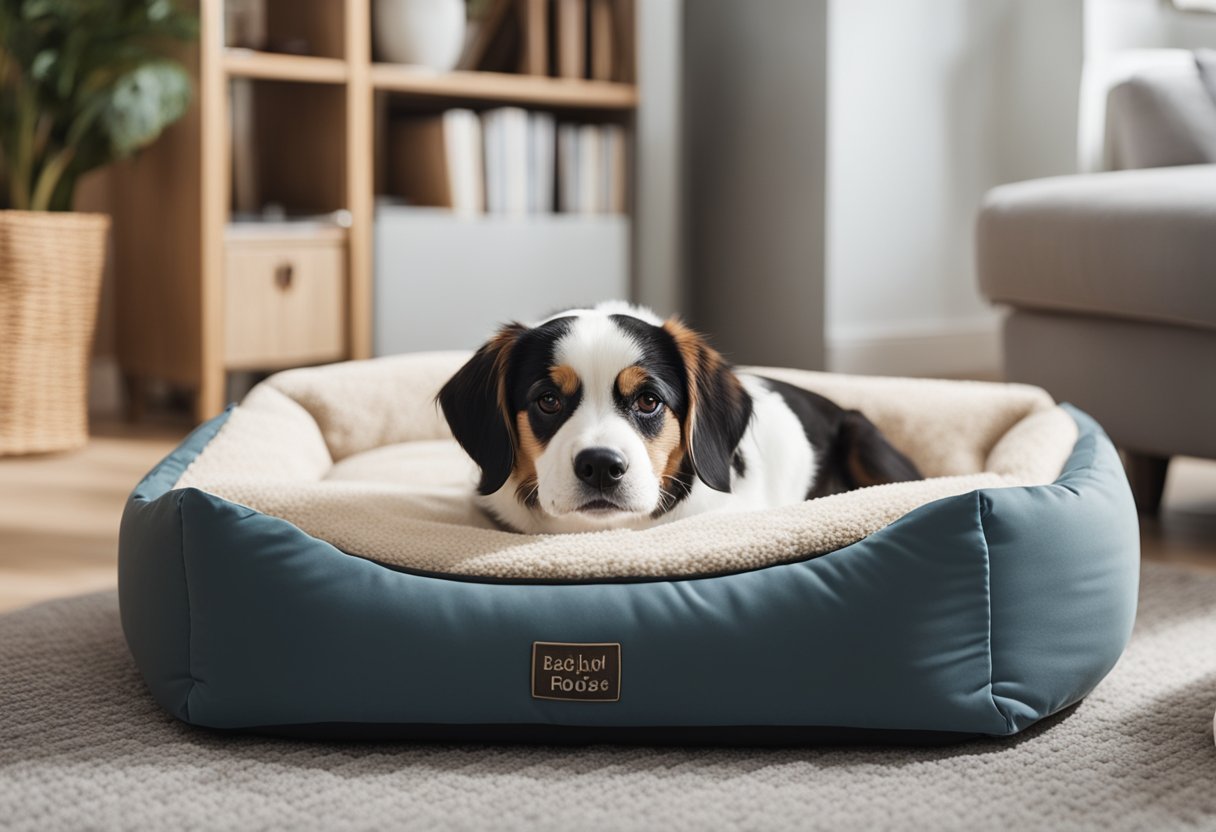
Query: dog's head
[599, 414]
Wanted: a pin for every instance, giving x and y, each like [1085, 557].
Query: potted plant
[82, 83]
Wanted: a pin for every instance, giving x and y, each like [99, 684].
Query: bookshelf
[200, 292]
[507, 88]
[248, 63]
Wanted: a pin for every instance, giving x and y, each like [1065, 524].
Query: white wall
[930, 104]
[755, 78]
[658, 233]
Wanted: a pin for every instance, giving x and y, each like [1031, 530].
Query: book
[602, 40]
[567, 168]
[570, 24]
[625, 67]
[590, 176]
[437, 160]
[592, 169]
[492, 142]
[542, 164]
[246, 195]
[506, 154]
[615, 170]
[534, 27]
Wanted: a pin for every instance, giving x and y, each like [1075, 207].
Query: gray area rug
[82, 746]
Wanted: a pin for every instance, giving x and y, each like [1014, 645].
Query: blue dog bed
[979, 613]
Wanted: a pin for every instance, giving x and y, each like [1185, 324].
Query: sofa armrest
[1137, 244]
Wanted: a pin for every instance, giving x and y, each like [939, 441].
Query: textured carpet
[83, 747]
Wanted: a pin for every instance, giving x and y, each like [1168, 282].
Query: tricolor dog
[612, 418]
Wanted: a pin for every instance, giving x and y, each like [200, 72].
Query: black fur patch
[851, 452]
[661, 361]
[528, 378]
[723, 412]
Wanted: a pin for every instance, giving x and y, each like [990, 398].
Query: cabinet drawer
[285, 302]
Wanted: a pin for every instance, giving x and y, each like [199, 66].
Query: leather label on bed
[577, 672]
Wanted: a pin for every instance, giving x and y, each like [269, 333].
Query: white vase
[421, 32]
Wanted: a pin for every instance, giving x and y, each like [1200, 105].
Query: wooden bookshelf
[178, 260]
[246, 63]
[502, 87]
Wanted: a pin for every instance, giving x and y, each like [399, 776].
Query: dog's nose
[602, 468]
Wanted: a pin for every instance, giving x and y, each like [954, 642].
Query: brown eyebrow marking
[565, 378]
[630, 379]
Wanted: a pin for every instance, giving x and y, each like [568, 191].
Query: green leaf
[84, 82]
[159, 9]
[142, 103]
[43, 63]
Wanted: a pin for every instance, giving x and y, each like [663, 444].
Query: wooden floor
[59, 514]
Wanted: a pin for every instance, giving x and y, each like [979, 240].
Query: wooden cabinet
[285, 299]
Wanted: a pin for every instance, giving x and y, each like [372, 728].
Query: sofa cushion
[1205, 60]
[1137, 244]
[1162, 117]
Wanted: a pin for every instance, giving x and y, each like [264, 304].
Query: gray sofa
[1111, 276]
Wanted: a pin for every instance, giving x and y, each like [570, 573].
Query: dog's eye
[549, 404]
[648, 403]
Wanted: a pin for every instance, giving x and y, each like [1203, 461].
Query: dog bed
[310, 563]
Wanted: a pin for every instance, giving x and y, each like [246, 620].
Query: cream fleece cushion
[357, 454]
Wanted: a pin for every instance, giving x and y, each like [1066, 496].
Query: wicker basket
[50, 276]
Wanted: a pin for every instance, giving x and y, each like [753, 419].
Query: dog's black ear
[718, 408]
[475, 404]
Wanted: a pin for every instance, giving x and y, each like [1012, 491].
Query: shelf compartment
[248, 63]
[534, 90]
[291, 27]
[288, 146]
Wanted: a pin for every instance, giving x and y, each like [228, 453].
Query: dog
[610, 417]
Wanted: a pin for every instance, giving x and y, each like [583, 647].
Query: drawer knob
[284, 275]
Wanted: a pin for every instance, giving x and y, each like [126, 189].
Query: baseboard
[105, 386]
[950, 349]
